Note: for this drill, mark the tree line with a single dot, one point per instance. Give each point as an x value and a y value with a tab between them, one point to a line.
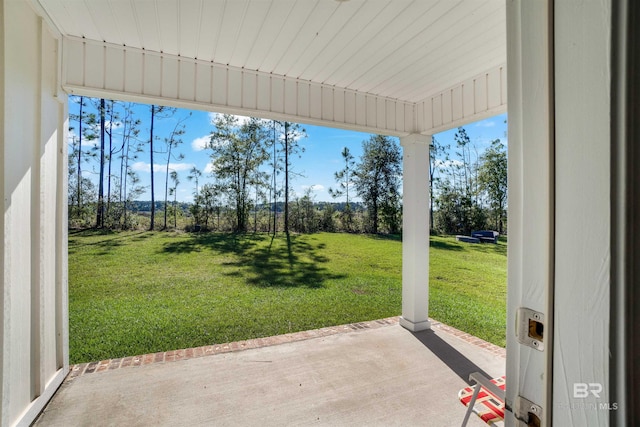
468	187
252	166
252	169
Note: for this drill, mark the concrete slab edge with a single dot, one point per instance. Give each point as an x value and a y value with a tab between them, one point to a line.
210	350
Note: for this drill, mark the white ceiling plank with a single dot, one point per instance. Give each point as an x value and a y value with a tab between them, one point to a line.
326	36
123	16
146	20
189	23
311	30
398	49
57	11
209	30
391	38
353	35
270	28
410	45
467	50
234	14
168	15
254	20
104	21
291	24
77	11
422	55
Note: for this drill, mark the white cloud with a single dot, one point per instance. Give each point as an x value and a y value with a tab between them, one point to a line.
209	168
146	167
486	124
201	143
141	167
314	187
241	119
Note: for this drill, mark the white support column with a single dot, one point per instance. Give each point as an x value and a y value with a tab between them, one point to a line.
415	232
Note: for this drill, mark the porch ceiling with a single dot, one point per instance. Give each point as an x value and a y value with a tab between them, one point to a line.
401	49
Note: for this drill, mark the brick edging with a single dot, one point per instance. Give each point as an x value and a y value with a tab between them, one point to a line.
208	350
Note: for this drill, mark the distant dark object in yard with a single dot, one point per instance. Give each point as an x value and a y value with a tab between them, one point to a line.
486	236
467	239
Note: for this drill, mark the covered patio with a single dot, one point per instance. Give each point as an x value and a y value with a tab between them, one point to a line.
406	68
365	374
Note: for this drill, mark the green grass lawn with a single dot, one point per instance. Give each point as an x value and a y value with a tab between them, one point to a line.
141	292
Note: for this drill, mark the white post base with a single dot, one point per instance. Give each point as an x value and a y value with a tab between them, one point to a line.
413	326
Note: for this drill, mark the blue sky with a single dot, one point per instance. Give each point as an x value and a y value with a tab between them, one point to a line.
316	165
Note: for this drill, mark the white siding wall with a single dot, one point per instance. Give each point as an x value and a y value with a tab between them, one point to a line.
583	180
530	256
474	99
33	252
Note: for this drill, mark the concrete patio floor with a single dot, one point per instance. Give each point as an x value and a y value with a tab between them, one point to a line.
371	373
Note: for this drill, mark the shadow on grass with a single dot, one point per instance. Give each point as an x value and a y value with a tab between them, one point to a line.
264	261
448	246
392	237
107	244
218	242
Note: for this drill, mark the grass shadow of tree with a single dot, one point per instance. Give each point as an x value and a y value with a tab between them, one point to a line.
440	244
264	261
107	244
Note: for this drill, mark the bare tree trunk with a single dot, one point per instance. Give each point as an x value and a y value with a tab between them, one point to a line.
275	182
153	199
100	212
286	178
80	156
110	133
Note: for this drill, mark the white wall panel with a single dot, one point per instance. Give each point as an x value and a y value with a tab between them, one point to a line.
338	106
480	94
114	64
290	97
152	77
350	107
263	92
169	78
219	85
277	95
494	88
151	74
33	190
315	101
74	72
530	216
457	111
381	112
371	118
187	80
203	78
437	111
390	110
472	100
133	81
94	65
583	223
447	108
327	103
303	99
249	89
234	88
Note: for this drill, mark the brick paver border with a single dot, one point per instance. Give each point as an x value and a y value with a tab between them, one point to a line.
208	350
